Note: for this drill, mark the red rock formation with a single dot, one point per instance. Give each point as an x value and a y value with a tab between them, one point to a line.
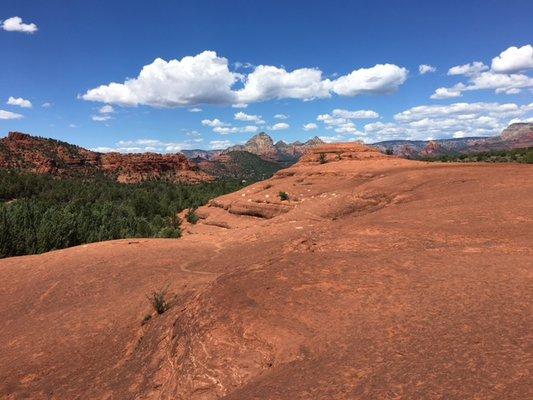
47	156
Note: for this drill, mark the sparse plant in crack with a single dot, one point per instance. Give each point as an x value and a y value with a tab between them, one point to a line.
322	158
158	300
283	196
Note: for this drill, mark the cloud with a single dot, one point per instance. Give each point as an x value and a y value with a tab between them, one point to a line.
348	127
341	120
194	110
15	24
330	120
337	139
468	69
501	77
310	126
267	82
19	102
448	121
446	93
213	123
101	118
424	69
501	83
219	144
107	109
201	79
379	79
9	115
281	116
148	145
207	79
359	114
46	105
513	59
240	116
279	126
226	130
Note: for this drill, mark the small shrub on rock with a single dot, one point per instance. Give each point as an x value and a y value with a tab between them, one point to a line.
191	216
158	301
283	196
322	158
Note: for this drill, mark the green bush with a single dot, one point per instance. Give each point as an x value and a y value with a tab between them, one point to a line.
191	216
283	196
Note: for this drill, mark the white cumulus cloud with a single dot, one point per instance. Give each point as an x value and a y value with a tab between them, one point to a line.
503	77
514	59
280	126
310	126
9	115
206	79
15	24
446	93
424	69
381	78
241	116
213	123
281	116
468	69
19	102
448	121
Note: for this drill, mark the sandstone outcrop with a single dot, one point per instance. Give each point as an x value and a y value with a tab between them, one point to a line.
47	156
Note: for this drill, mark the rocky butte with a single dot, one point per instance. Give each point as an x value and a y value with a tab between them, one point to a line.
39	155
378	278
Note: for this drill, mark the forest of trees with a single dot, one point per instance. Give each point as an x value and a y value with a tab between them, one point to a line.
39	213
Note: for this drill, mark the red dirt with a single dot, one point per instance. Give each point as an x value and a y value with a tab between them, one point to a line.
380	278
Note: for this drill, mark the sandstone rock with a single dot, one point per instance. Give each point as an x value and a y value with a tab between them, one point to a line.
47	156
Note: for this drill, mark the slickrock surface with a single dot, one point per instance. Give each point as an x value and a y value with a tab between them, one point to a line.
380	278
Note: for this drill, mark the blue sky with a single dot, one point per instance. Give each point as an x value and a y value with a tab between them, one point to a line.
341	70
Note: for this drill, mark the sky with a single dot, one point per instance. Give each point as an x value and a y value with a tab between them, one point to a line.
165	76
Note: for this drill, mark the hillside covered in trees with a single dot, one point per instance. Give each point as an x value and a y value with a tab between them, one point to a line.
39	213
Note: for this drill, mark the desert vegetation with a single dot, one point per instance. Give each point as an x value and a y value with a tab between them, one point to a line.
502	156
283	196
39	213
158	301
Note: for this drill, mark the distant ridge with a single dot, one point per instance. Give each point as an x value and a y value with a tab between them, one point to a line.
23	152
515	136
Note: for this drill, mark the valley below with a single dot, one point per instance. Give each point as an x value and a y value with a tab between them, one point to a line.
350	275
